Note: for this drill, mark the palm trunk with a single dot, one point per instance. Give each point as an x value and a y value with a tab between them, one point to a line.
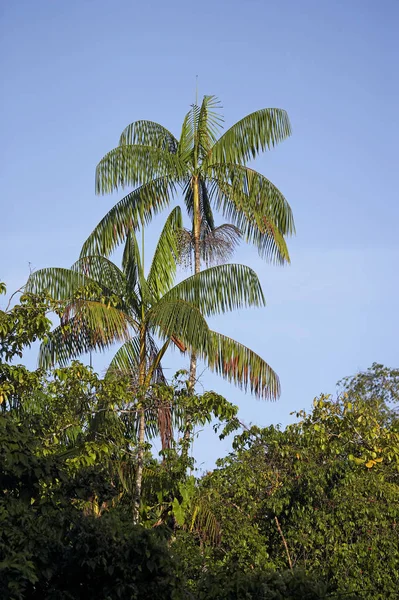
141	440
197	269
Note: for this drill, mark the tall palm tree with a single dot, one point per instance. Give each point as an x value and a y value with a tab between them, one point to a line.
211	171
107	304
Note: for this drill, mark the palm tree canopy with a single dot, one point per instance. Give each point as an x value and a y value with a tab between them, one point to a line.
157	164
106	304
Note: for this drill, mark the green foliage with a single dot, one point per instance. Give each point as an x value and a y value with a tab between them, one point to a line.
332	482
308	512
106	304
25	323
151	158
268	585
49	548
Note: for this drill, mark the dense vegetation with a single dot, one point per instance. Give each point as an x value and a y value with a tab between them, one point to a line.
87	508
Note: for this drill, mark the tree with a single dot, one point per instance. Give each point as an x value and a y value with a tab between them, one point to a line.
106	304
323	495
50	548
210	171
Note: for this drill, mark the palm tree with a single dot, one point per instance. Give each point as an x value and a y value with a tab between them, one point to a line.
212	173
107	304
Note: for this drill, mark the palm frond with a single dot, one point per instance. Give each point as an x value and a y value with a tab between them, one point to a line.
240	365
131	264
149	133
182	321
72	339
209	124
105	322
135	165
186	141
163	267
257	132
146	201
219	289
203	520
102	270
256	206
126	360
61	284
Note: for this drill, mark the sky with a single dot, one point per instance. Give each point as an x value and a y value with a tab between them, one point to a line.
75	73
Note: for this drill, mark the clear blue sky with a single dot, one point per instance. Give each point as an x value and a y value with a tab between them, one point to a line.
75	73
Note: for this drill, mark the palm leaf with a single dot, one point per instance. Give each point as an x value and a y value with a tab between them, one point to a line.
71	339
126	215
257	132
131	263
256	206
240	365
61	284
209	124
136	165
127	359
106	323
102	270
149	133
219	289
183	321
186	141
163	267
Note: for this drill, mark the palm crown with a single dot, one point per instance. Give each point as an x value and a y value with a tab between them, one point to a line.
211	171
107	304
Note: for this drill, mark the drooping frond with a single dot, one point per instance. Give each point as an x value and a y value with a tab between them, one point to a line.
102	270
219	289
183	321
203	520
75	337
255	192
240	365
61	284
256	206
255	133
125	216
163	267
105	321
209	124
149	133
135	165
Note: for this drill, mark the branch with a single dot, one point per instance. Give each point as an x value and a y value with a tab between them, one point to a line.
284	542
